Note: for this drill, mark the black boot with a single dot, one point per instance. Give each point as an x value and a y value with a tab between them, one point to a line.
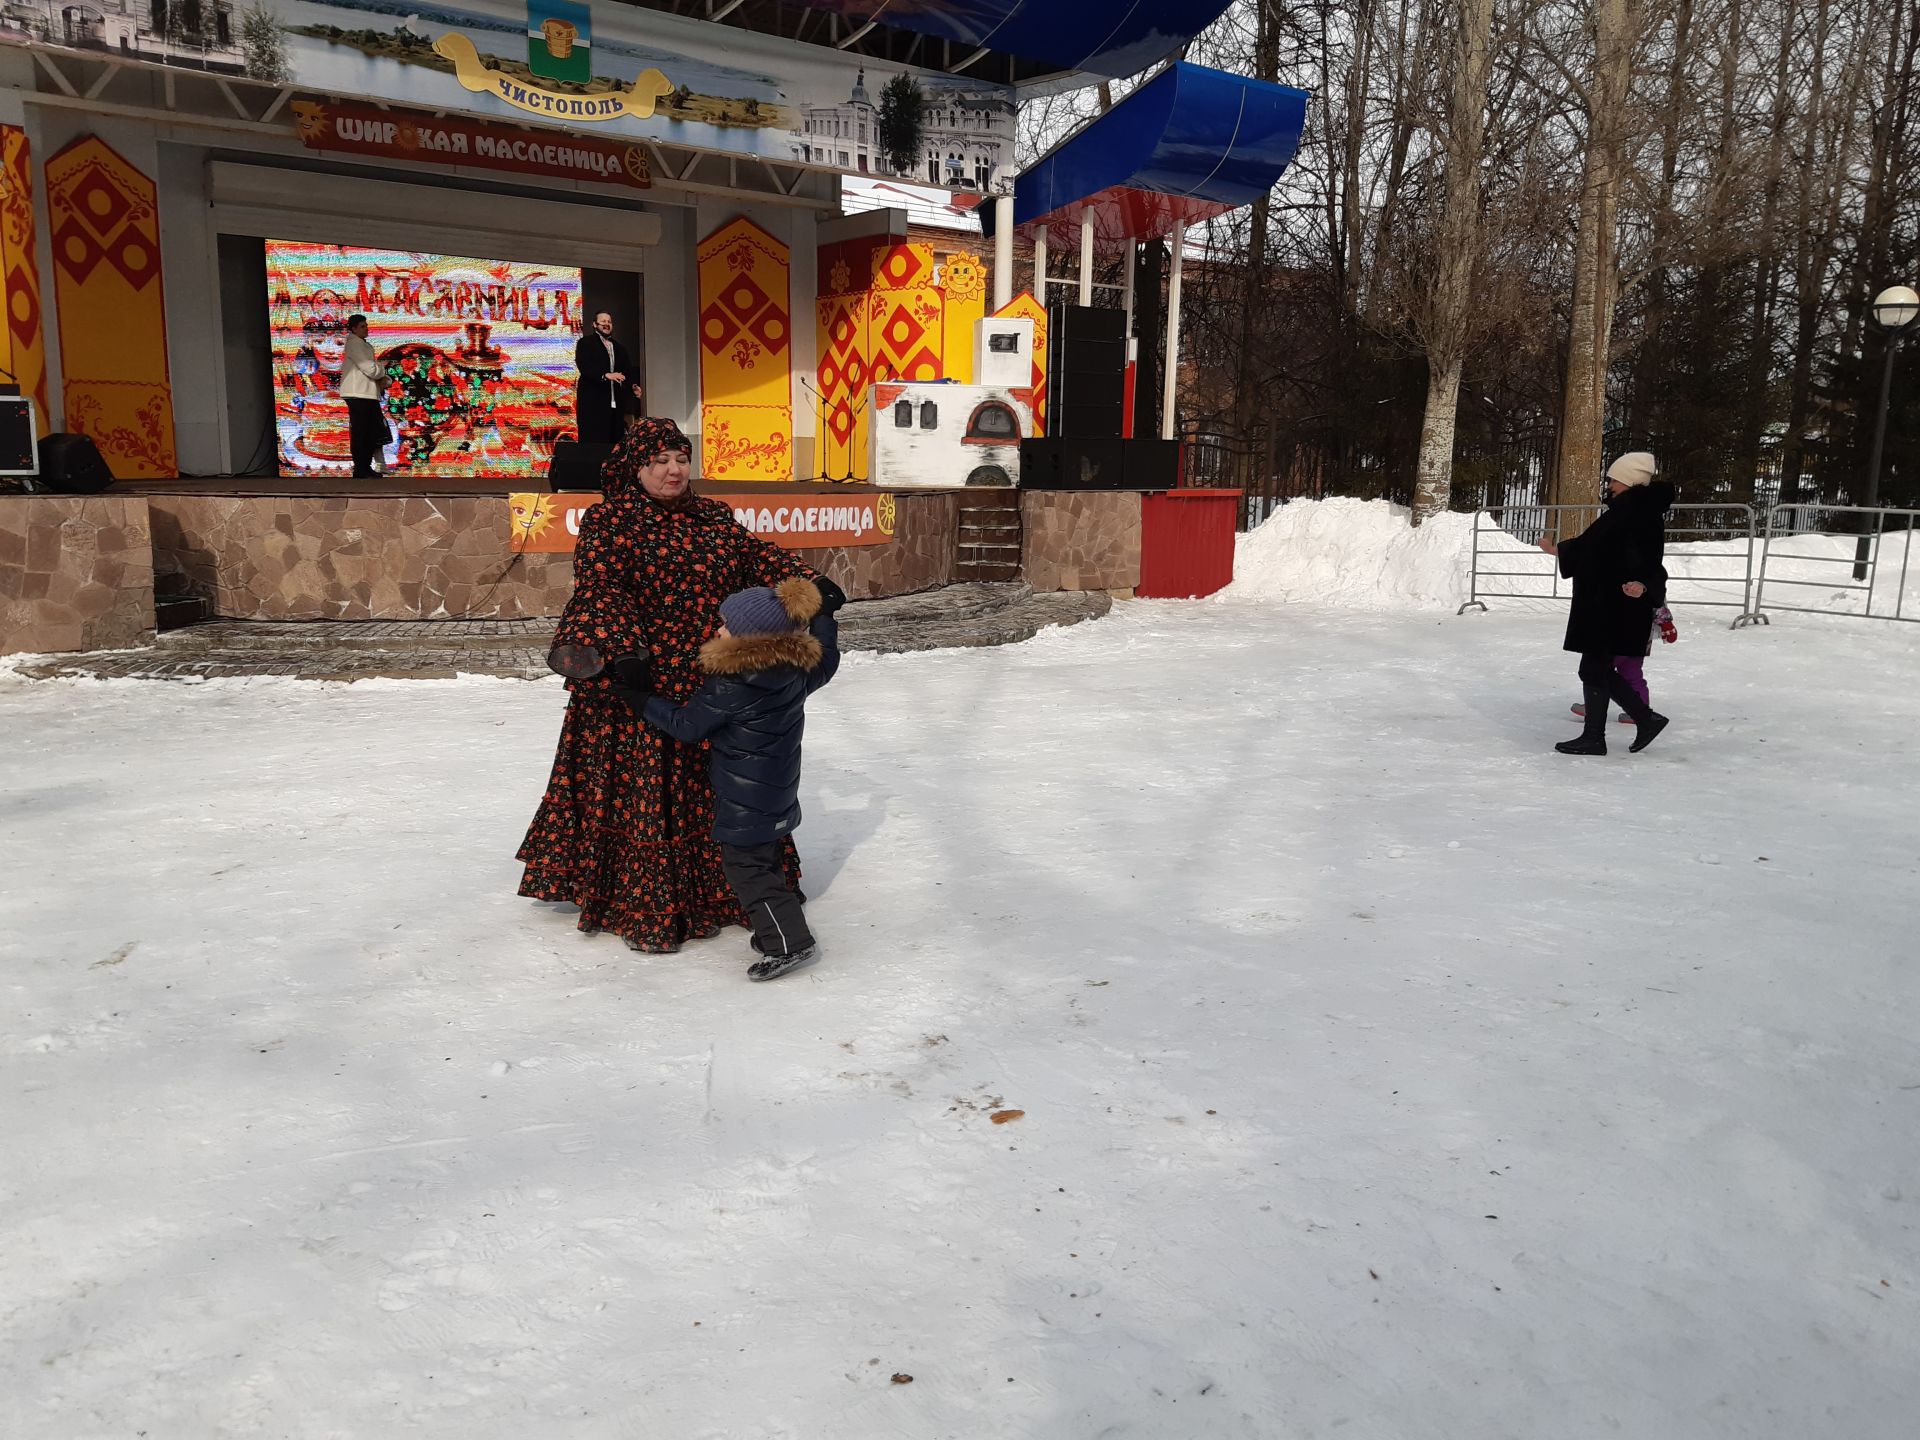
1593	739
774	966
1648	723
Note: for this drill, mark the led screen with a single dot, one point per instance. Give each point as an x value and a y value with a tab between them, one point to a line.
478	356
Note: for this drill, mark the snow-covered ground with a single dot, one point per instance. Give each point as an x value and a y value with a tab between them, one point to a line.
1384	1074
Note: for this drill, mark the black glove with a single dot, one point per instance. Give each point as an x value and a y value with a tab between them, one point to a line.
832	597
635	671
631	679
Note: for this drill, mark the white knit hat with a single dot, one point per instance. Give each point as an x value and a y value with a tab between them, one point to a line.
1636	467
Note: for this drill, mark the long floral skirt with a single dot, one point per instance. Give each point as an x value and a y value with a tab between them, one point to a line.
625	832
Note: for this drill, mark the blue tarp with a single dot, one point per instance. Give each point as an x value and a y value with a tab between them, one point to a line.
1202	136
1114	38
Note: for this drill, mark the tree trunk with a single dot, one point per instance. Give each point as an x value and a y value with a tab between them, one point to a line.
1596	279
1433	476
1249	391
1449	318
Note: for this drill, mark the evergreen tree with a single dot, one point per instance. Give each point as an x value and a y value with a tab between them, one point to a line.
264	46
901	123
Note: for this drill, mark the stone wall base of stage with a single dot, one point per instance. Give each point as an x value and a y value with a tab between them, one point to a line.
921	555
1080	540
353	558
76	573
80	572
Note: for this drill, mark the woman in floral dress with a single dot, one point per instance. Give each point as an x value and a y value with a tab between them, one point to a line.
625	829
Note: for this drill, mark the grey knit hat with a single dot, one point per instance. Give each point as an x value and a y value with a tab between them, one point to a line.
756	612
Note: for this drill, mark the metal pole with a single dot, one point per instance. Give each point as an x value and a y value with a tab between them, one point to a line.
1872	496
1172	376
1040	268
1002	252
1126	298
1086	257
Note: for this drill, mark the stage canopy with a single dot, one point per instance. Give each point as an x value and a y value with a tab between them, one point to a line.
1188	145
1114	39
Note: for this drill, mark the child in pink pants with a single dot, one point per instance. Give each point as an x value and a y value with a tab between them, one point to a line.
1633	668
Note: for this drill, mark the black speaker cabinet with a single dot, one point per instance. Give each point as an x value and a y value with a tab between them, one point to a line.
1063	462
576	464
1070	324
1086	372
1056	462
1152	464
72	465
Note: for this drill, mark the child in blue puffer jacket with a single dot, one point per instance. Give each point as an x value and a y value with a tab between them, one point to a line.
775	648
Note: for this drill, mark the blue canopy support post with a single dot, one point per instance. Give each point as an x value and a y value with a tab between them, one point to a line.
1086	258
1172	378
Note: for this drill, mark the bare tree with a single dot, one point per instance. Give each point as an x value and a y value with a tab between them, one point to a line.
1447	321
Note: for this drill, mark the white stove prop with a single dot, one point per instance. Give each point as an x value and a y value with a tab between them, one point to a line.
928	437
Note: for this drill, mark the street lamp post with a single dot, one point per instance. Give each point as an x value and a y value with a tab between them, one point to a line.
1894	310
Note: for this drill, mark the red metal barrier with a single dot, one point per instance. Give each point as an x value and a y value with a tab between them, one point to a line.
1186	543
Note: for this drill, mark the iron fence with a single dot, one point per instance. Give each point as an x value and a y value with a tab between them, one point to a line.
1713	568
1861	565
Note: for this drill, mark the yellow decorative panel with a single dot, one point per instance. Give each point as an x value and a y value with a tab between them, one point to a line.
1024	307
963	283
906	316
746	334
23	341
105	222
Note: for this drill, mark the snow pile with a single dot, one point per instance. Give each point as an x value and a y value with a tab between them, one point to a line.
1366	555
1358	555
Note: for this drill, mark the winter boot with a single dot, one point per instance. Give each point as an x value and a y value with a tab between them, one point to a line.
1593	739
1649	732
1649	721
774	966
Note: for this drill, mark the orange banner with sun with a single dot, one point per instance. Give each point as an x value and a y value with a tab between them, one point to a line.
746	335
550	524
105	222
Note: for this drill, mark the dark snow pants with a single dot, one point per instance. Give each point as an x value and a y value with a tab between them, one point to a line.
759	881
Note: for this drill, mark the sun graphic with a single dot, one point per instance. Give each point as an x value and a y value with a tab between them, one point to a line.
530	516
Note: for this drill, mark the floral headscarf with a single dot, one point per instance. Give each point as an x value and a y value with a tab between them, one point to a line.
651	436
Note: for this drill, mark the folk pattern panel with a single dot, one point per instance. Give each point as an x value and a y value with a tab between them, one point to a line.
845	369
887	313
746	344
23	341
105	222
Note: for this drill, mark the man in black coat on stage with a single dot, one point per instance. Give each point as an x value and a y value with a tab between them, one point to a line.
606	390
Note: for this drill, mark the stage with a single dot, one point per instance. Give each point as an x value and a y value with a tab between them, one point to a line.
81	572
328	487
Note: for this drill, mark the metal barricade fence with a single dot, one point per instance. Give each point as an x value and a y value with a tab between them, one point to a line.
1699	572
1863	567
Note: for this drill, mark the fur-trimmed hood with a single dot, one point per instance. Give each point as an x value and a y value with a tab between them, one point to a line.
744	654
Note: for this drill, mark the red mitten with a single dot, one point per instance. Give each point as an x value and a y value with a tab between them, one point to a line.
1669	632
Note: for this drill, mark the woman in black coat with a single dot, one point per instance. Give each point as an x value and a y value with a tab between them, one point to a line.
1619	580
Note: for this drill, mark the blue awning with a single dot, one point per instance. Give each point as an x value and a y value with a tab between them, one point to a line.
1190	144
1115	38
